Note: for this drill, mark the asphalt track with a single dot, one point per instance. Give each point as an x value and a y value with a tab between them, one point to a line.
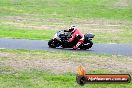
114	49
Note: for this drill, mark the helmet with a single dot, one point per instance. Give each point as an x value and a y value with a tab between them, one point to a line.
72	28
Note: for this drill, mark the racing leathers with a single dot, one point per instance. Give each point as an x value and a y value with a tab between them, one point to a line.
77	34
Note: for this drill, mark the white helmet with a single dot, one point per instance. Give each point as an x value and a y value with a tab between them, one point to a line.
72	28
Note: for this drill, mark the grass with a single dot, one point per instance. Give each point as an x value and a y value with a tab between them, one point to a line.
23	18
122	35
79	57
35	78
32	78
91	16
39	79
22	33
66	9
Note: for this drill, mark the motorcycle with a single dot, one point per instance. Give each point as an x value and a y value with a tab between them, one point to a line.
61	39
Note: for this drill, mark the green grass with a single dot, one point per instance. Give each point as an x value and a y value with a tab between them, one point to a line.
18	17
65	9
37	12
9	31
42	79
35	78
122	35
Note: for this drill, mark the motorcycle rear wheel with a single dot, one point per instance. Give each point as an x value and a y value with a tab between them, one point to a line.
84	47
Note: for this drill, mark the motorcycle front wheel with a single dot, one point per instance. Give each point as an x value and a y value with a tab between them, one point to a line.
51	43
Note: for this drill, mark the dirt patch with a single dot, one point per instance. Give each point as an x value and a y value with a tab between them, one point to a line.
27	62
121	3
112	65
33	23
58	24
31	19
31	26
95	25
13	18
56	66
103	22
60	65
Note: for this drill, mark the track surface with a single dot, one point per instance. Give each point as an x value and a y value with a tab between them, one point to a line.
115	49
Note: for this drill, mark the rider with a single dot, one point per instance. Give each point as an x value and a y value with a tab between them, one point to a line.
76	33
